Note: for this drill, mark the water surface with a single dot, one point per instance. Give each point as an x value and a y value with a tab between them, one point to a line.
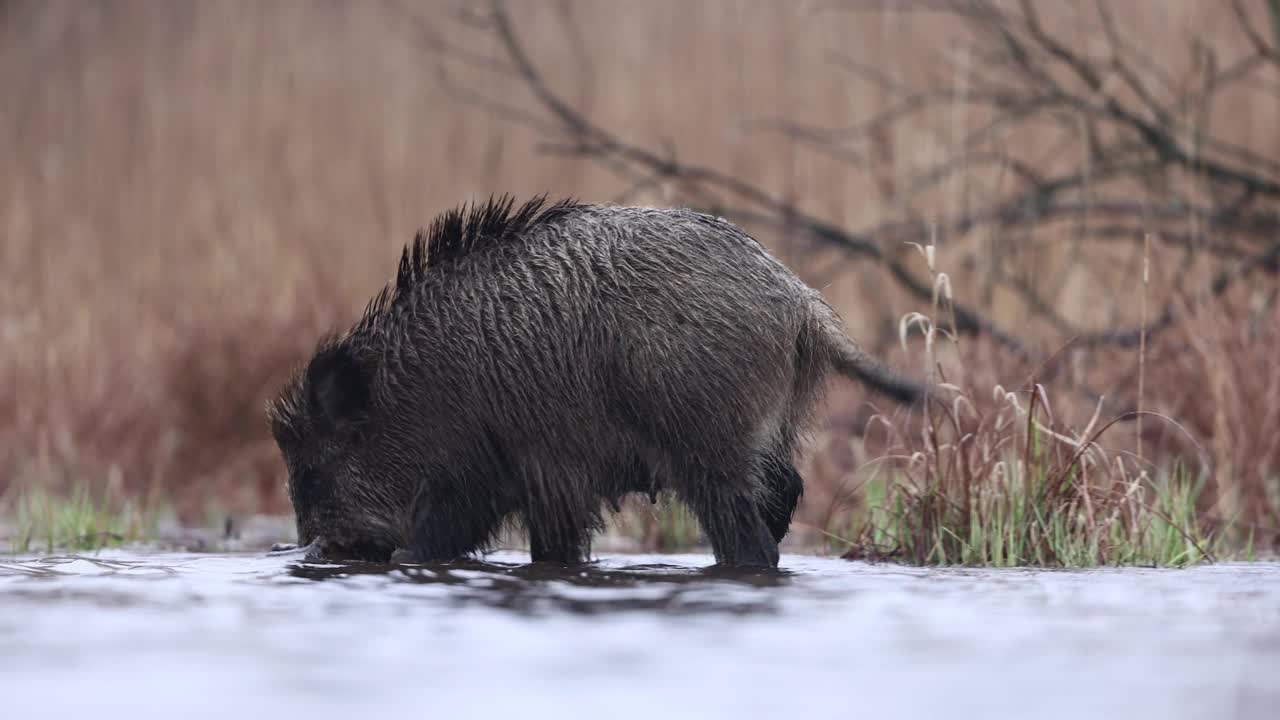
128	634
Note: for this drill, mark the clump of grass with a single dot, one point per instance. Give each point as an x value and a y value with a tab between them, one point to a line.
998	481
39	520
1000	500
664	527
674	528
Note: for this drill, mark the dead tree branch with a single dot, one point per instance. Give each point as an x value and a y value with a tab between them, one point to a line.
1151	161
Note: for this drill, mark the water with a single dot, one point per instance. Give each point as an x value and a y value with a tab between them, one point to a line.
130	635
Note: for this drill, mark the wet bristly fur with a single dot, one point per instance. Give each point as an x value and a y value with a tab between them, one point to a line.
539	363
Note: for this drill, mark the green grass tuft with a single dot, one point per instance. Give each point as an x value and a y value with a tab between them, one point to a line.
1015	526
42	521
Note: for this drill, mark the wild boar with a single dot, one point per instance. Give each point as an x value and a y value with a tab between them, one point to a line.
538	363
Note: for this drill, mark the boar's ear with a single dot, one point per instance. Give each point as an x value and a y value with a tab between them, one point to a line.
339	387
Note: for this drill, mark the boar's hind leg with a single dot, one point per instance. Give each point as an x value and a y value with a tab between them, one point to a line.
731	517
783	488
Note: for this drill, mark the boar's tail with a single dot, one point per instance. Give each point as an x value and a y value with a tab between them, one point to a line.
849	360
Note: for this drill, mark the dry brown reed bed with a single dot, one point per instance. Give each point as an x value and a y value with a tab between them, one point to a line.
196	190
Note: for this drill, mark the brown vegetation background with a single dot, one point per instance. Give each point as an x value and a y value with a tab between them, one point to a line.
193	191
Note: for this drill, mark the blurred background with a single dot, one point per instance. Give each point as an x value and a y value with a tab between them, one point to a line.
193	192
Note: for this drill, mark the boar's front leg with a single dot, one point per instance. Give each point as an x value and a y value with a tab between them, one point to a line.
559	511
570	549
556	536
448	525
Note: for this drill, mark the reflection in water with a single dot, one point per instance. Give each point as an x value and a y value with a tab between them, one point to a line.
547	588
238	636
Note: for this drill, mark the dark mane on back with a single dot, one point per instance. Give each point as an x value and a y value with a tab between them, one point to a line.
462	231
457	233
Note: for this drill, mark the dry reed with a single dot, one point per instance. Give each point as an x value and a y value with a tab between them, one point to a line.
196	190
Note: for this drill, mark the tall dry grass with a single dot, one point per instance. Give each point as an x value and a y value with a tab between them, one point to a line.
196	190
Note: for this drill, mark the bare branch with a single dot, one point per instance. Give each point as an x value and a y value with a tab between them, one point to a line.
1260	46
1123	187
